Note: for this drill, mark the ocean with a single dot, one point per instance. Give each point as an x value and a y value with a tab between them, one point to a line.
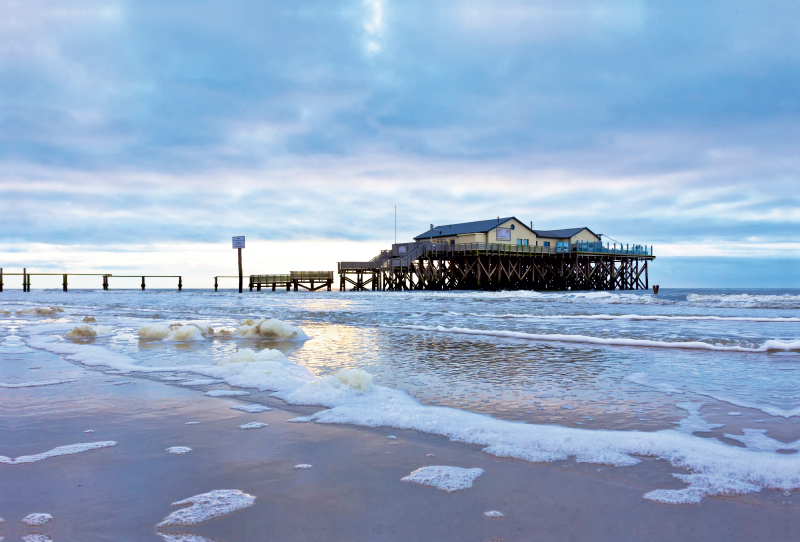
705	380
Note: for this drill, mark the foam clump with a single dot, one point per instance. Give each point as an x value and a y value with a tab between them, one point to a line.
37	519
36	537
493	514
175	331
89	319
694	422
37	384
226	393
448	479
269	328
301	419
183	537
42	311
206	506
4	312
303	466
200	382
84	331
265	370
70	449
252	409
253	425
179	450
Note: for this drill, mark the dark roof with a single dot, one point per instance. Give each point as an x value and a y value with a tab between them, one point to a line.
481	226
562	234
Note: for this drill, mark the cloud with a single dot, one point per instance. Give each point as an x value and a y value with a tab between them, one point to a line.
143	122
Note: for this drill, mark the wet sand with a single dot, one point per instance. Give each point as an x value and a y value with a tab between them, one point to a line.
353	491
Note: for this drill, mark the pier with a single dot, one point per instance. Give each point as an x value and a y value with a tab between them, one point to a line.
500	266
26	278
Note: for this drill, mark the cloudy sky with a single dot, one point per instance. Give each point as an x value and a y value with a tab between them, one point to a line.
140	136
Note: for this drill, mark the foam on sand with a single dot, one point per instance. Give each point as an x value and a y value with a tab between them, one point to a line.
37	519
771	345
448	479
253	425
303	466
206	382
179	450
84	331
36	537
643	379
4	312
252	409
493	514
269	328
184	537
37	384
226	393
41	311
70	449
757	439
206	506
89	319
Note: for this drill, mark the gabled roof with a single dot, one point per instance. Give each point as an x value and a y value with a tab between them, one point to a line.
562	234
481	226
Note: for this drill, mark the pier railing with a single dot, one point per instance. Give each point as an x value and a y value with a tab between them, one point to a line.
404	254
26	278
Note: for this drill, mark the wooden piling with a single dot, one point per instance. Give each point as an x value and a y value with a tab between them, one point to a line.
180	284
1	279
215	284
65	282
240	270
24	279
143	284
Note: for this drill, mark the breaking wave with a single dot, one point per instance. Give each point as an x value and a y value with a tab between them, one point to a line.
753	301
768	346
642	317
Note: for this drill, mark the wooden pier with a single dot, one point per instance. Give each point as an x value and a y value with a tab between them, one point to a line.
307	280
500	266
26	278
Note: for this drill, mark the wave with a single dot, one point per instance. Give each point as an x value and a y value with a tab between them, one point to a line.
638	317
771	345
351	398
754	301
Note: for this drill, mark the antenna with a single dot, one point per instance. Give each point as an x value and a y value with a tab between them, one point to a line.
395	224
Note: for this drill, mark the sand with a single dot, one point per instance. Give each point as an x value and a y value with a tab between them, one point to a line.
353	492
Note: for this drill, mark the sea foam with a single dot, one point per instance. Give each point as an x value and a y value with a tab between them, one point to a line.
36	519
448	479
84	331
206	506
269	328
37	384
70	449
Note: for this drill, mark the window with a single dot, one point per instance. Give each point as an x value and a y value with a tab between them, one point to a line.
523	242
547	244
452	241
512	226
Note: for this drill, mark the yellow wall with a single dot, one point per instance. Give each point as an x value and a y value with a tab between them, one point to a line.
520	231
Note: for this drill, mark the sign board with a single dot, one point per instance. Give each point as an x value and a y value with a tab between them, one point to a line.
238	242
401	249
503	234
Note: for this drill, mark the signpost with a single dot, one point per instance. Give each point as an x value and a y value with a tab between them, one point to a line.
238	243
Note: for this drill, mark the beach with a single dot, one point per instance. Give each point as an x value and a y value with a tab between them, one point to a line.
431	396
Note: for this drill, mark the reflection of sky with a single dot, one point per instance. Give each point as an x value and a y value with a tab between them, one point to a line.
136	134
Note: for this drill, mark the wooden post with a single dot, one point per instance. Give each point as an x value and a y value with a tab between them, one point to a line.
330	282
288	286
273	286
105	282
65	282
180	284
295	285
240	270
250	283
143	284
215	284
258	286
1	279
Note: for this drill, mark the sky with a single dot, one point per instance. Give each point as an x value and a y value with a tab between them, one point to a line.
140	136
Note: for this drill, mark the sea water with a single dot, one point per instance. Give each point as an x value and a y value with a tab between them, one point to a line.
706	379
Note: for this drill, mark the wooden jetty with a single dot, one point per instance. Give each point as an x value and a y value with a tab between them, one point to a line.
500	266
26	278
307	280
